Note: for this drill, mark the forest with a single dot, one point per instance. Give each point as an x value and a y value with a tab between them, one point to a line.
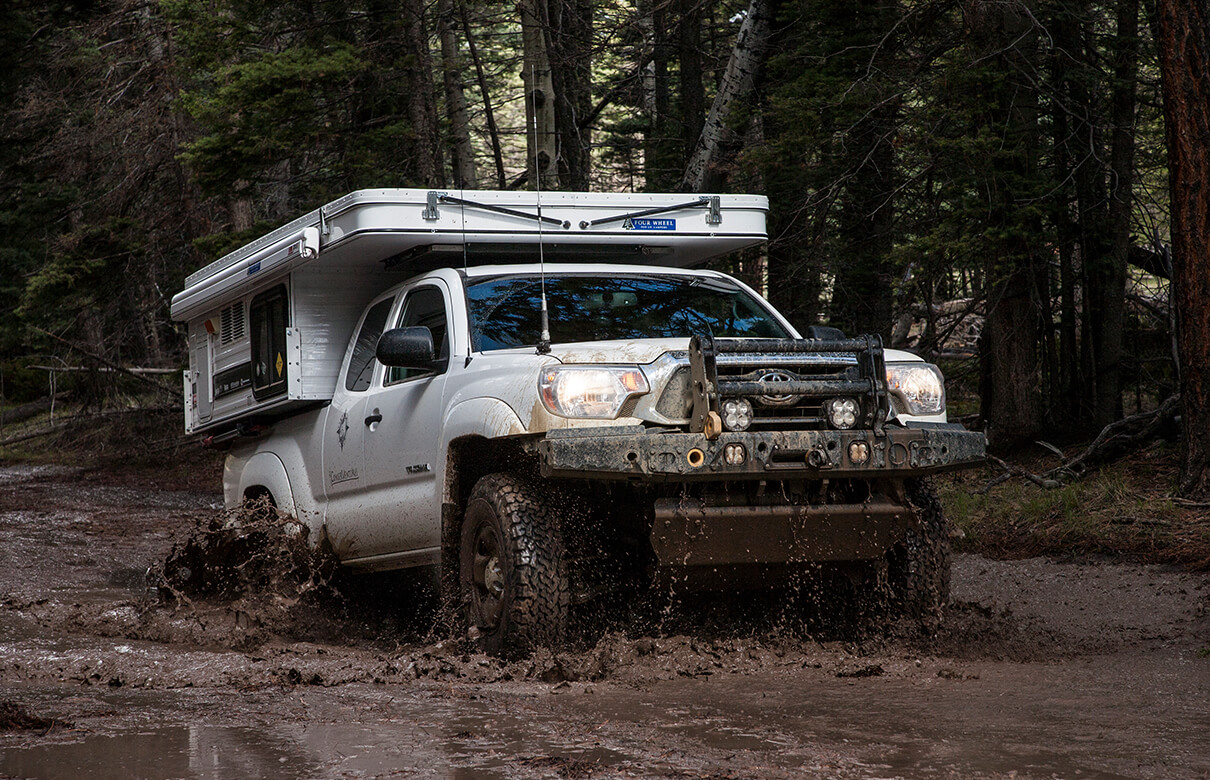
988	183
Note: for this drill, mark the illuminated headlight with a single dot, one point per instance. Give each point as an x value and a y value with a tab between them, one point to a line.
918	387
736	414
590	391
842	412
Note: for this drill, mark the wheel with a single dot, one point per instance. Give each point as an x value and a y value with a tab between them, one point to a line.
918	570
512	570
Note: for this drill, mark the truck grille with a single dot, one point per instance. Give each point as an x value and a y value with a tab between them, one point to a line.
782	410
788	382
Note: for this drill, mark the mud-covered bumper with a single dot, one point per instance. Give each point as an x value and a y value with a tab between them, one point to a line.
635	452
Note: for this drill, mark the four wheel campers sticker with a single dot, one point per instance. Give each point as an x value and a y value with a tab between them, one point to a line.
639	223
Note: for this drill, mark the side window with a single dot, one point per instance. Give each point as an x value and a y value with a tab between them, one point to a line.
361	365
424	306
269	317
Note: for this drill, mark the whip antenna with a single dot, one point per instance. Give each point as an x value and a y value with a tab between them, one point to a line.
544	336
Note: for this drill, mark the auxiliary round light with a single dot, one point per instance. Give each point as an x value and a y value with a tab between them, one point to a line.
859	453
737	414
735	454
842	413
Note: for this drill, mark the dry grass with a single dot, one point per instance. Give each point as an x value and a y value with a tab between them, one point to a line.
1125	510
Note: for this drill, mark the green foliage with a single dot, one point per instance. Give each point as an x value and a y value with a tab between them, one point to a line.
85	277
261	113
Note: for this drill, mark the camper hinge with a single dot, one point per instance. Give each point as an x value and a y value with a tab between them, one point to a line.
430	211
715	215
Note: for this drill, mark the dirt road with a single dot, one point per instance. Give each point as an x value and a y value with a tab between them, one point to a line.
1041	669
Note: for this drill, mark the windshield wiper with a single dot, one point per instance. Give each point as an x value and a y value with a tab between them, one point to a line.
705	201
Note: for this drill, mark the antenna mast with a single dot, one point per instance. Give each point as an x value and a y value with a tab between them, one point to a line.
544	337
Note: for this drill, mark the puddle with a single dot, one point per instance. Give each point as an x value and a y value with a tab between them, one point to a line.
998	720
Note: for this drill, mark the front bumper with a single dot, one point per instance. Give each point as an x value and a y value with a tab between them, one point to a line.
653	454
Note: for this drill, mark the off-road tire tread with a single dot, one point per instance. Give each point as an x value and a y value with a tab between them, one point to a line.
536	607
919	570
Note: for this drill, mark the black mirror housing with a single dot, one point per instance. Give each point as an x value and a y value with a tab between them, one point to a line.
410	347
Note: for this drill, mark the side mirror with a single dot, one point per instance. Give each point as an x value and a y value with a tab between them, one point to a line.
410	347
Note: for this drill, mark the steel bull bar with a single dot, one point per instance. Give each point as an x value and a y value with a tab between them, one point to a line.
690	532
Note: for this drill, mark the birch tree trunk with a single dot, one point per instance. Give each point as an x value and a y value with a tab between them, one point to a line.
541	132
1184	46
704	170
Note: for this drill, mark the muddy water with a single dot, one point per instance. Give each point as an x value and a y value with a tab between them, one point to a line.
1041	669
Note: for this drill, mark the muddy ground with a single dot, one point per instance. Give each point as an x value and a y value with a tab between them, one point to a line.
1040	669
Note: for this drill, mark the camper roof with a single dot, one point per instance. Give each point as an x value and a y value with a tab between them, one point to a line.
413	229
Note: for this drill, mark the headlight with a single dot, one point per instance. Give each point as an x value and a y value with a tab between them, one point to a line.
590	391
918	387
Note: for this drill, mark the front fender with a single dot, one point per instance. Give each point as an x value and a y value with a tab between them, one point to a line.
490	418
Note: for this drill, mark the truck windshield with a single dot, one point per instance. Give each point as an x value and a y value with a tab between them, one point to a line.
504	311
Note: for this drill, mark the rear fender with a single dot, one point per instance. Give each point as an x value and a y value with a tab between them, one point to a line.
263	471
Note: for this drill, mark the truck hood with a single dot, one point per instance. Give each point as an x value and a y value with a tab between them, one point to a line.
644	351
637	351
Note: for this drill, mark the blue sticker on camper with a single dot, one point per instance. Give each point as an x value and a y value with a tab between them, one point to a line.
254	268
649	224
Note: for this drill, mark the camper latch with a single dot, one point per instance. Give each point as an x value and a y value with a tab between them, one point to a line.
430	211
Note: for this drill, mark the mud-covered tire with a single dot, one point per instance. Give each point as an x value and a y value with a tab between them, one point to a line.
918	567
512	571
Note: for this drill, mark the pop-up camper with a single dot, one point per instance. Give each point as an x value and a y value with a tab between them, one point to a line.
270	322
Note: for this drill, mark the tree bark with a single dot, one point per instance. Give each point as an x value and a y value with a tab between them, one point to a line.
569	42
1012	401
462	158
704	170
489	114
693	92
1184	47
541	130
422	107
1112	285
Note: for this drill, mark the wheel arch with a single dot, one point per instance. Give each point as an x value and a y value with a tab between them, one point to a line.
263	473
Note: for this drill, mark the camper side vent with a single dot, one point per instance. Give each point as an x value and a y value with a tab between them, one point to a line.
232	324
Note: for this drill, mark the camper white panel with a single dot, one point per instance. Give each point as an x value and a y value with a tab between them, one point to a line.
327	303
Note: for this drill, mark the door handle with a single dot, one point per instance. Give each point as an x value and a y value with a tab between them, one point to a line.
374	418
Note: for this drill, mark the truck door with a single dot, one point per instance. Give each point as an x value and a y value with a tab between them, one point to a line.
344	473
403	462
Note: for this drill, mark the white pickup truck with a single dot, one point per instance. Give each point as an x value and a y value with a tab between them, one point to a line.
670	423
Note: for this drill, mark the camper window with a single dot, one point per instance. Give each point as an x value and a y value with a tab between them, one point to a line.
269	317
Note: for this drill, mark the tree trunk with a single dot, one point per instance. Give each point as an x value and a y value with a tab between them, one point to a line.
569	42
1012	401
693	92
462	159
704	170
1184	47
541	130
489	114
422	107
1112	287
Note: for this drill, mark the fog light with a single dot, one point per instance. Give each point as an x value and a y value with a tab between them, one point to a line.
842	413
735	454
859	452
737	414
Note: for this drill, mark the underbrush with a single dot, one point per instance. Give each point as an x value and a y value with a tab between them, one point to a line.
1126	509
134	439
